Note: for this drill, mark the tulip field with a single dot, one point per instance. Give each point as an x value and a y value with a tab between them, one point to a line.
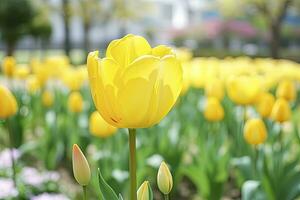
144	122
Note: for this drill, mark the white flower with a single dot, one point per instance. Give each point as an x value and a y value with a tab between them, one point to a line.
7	188
48	196
32	176
5	157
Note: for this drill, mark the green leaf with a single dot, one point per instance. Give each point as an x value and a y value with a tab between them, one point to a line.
150	192
106	191
120	197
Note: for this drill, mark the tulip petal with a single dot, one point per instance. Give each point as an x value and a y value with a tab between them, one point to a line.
98	89
162	51
134	102
125	50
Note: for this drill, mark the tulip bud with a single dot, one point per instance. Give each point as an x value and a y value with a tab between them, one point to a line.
9	65
47	98
33	84
164	179
81	168
265	104
99	127
215	88
286	89
213	110
75	102
8	103
144	192
255	131
281	111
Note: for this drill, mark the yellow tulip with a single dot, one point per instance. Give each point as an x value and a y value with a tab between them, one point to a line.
213	110
255	131
99	127
144	191
265	104
75	102
281	111
215	88
33	84
8	103
130	79
243	90
21	72
47	98
9	65
81	168
164	179
286	89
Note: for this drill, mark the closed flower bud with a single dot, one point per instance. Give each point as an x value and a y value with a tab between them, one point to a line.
286	89
215	88
265	104
8	103
255	131
47	98
9	65
144	192
33	84
213	110
281	111
81	168
75	102
243	90
99	127
164	179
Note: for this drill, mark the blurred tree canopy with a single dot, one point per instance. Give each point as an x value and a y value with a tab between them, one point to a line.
15	20
268	14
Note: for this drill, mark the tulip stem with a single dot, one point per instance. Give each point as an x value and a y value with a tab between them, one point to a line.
166	196
84	193
11	149
132	163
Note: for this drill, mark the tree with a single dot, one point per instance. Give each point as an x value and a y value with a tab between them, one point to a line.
66	17
40	27
272	12
15	20
89	10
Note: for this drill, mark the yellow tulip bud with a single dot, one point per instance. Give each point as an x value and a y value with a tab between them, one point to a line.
33	84
144	192
243	90
265	104
215	88
47	98
8	103
75	102
281	111
99	127
81	168
21	72
131	78
8	66
164	179
213	110
286	89
255	131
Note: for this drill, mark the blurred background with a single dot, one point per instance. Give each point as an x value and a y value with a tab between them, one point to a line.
262	28
240	61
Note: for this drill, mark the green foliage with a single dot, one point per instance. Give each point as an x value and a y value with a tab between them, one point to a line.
15	18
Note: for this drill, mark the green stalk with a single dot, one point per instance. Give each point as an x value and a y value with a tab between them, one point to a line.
132	163
255	171
166	197
84	192
11	148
